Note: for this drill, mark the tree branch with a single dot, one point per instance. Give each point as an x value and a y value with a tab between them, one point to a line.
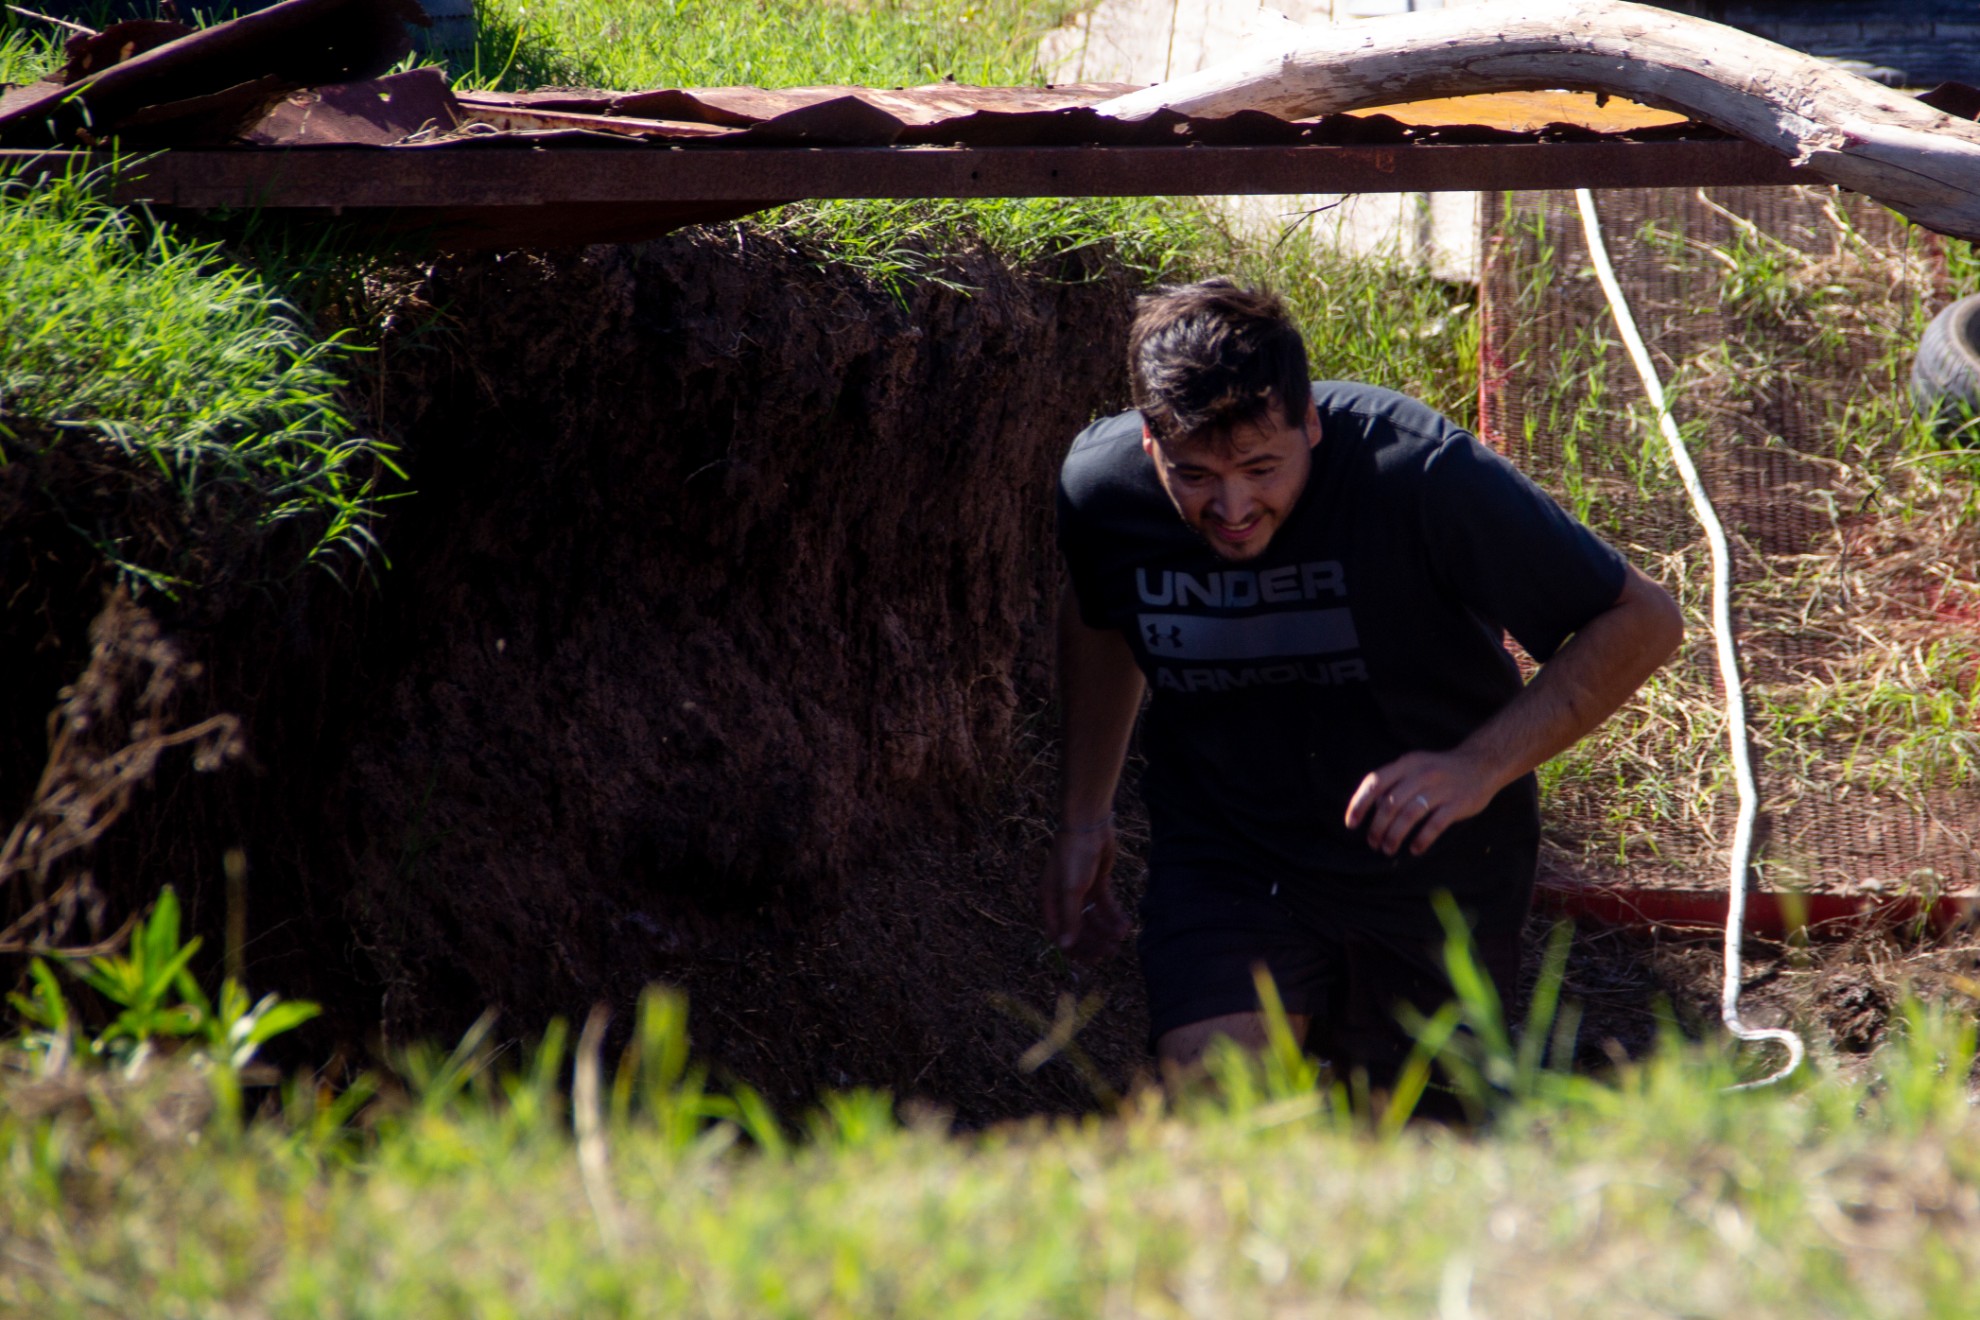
1844	129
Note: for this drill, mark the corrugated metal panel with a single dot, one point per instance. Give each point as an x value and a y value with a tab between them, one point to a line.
235	102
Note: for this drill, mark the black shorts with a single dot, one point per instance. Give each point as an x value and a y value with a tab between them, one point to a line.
1346	951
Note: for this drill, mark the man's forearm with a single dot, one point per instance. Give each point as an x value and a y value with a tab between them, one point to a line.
1100	690
1584	683
1416	797
1099	694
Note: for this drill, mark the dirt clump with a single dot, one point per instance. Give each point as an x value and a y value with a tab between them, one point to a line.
1856	1009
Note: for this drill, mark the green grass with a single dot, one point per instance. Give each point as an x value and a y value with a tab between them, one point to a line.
1860	671
484	1191
549	1181
129	346
629	45
634	44
26	52
199	409
698	43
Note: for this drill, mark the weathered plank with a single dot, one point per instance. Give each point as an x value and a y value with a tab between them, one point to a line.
450	176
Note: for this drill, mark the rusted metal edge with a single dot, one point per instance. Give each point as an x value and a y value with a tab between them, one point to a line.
301	43
1771	916
455	176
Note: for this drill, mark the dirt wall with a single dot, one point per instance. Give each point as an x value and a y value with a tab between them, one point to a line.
712	651
707	646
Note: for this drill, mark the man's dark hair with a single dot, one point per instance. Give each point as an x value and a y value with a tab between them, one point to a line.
1207	358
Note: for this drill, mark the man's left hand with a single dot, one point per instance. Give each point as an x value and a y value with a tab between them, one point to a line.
1415	798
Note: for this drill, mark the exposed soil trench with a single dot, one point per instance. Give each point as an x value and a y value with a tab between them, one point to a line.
713	651
704	652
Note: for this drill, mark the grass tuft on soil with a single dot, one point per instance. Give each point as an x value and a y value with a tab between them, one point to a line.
138	359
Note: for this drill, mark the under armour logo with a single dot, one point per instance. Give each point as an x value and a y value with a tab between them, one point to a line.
1174	638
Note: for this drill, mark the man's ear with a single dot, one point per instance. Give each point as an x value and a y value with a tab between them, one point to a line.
1147	440
1311	424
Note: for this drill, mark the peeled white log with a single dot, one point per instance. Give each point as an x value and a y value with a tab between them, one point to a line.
1844	129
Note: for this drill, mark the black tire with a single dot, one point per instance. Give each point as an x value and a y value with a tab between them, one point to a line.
1945	378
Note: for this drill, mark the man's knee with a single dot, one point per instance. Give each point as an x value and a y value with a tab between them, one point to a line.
1186	1045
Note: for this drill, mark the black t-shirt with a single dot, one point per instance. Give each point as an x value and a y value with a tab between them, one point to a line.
1370	627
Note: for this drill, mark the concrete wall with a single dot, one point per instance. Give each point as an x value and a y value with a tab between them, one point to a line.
1151	41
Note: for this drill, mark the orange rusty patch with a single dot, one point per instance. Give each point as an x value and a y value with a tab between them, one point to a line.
1525	112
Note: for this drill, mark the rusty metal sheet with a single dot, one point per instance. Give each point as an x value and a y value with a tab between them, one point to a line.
824	116
93	52
376	112
20	96
594	188
949	114
937	104
1532	112
744	106
199	121
299	42
1954	98
538	121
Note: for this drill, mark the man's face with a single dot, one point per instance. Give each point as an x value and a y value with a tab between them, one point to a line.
1238	495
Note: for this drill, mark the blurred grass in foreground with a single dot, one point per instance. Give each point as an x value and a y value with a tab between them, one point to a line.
479	1189
1651	1192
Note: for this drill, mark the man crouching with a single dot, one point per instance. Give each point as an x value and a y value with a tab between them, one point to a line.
1313	579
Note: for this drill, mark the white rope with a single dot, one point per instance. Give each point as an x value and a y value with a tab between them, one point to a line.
1722	570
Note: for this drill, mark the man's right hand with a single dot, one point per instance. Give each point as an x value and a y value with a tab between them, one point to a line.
1100	693
1081	914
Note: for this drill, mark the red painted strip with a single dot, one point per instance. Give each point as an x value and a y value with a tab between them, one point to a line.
1822	916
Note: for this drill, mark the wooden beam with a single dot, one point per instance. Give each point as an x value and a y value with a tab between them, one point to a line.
331	177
